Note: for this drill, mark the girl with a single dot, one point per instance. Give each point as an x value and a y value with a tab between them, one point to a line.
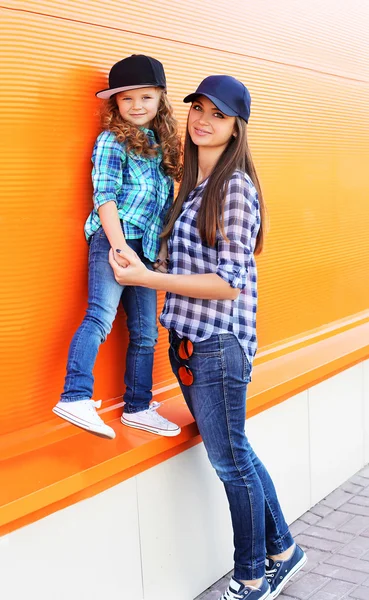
134	160
215	227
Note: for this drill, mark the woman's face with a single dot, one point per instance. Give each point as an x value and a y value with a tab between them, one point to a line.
208	126
139	106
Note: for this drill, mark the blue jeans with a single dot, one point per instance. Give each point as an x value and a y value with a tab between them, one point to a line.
217	400
104	295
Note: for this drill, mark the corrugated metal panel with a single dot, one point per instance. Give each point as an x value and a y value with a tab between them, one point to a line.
310	138
329	35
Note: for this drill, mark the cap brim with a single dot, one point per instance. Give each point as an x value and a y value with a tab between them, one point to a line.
218	103
106	94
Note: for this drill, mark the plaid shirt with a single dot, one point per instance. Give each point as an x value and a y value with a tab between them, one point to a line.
138	186
233	261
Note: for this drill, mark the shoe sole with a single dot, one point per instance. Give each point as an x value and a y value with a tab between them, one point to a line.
83	425
288	577
266	595
163	432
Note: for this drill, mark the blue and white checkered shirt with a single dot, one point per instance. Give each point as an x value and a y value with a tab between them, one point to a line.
233	261
141	190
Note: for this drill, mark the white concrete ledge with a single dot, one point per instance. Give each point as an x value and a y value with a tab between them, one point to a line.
166	533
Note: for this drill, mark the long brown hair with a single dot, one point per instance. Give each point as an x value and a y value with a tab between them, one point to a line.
236	156
164	125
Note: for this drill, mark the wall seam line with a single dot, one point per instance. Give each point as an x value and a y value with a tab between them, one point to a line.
310	453
221	50
139	538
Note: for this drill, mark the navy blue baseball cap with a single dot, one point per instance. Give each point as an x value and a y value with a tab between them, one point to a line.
227	93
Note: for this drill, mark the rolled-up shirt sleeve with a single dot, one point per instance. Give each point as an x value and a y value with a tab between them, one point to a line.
108	159
241	224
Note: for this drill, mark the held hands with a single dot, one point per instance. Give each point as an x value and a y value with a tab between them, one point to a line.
161	263
128	268
126	253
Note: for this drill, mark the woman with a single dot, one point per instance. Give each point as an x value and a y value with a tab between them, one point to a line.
214	229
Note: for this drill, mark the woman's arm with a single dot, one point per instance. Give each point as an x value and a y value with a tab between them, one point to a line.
208	286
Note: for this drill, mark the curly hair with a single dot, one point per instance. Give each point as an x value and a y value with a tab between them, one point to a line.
164	125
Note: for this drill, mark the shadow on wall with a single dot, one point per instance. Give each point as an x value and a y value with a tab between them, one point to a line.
49	133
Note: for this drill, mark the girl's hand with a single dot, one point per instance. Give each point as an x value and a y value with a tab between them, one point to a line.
127	252
132	274
161	263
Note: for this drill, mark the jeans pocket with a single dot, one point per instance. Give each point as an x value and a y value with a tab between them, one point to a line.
209	354
100	233
246	368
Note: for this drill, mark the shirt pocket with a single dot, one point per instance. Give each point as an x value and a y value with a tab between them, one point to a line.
138	171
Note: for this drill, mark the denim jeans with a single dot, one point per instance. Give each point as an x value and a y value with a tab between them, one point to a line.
217	400
104	295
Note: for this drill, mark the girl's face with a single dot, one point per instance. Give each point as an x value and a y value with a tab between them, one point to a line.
139	106
208	126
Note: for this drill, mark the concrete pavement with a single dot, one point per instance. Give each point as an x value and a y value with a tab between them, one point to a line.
335	536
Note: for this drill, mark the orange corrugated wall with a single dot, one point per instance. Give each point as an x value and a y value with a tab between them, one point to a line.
307	67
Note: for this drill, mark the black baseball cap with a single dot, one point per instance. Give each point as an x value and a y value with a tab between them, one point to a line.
227	93
136	71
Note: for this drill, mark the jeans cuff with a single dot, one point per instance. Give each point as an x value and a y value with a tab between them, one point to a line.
73	399
244	572
280	544
135	409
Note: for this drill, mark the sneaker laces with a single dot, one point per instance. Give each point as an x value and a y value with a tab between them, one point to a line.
271	571
152	410
92	406
229	595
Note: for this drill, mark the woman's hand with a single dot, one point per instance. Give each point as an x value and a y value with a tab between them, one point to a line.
128	268
161	263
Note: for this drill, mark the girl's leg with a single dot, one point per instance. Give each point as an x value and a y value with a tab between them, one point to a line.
104	295
140	305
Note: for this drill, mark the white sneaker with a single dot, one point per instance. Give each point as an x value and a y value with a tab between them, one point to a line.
83	414
150	420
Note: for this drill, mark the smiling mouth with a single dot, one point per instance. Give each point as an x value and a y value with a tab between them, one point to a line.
138	115
201	131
